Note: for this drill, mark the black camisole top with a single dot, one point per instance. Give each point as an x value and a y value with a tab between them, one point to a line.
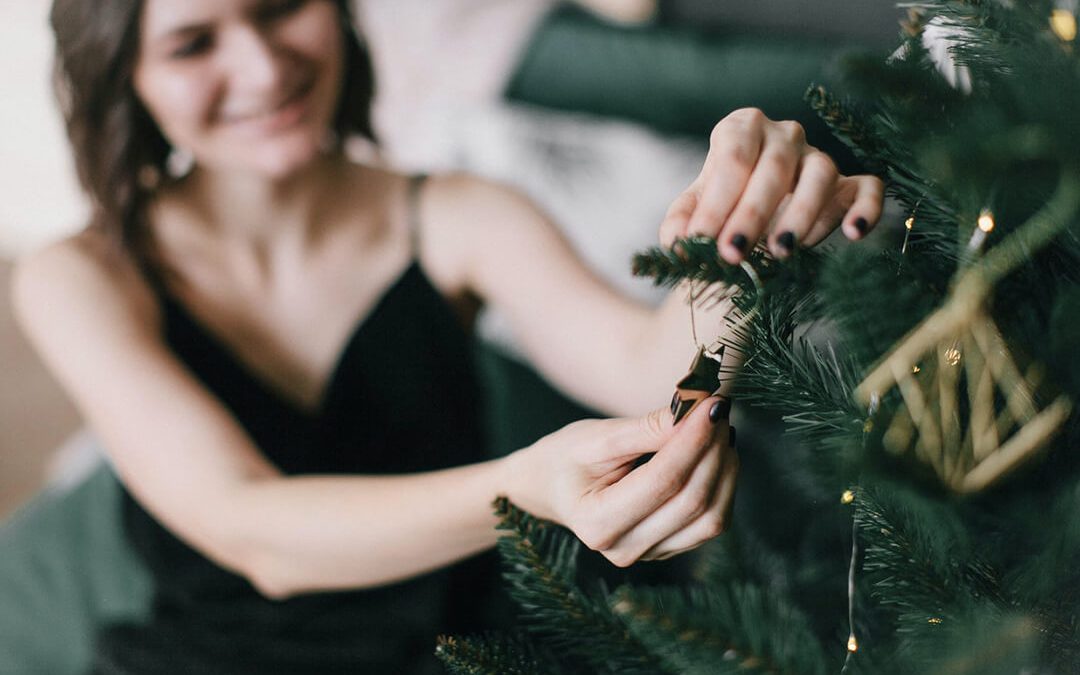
403	397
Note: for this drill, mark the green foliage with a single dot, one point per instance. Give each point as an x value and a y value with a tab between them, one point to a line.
540	563
720	630
491	655
943	583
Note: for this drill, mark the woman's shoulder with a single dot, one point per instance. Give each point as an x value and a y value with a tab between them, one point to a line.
83	278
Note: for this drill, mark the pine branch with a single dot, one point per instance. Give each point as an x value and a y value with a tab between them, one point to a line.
920	559
812	390
852	130
539	565
698	260
491	655
735	629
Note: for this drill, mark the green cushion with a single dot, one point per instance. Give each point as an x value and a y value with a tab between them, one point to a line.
674	80
65	569
521	405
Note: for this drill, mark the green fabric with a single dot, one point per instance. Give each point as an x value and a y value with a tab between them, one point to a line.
65	569
521	405
674	80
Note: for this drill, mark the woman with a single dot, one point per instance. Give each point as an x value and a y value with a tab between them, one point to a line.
271	346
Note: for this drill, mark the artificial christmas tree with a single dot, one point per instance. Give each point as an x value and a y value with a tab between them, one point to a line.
933	396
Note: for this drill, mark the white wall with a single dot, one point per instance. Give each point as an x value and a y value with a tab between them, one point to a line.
39	197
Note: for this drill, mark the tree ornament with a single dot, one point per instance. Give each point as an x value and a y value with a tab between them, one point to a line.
700	383
703	379
1004	426
958	352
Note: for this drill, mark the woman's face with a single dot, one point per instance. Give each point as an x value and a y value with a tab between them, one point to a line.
248	85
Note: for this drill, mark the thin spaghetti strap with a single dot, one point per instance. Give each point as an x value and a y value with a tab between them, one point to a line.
416	182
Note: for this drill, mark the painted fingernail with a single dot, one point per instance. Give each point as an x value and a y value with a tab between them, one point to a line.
731	437
786	241
642	459
720	410
861	225
674	402
739	242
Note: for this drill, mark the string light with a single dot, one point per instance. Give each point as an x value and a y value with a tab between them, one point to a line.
916	370
1063	23
847	497
908	225
934	620
852	643
985	227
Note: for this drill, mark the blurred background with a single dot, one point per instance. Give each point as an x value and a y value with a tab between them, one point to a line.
599	110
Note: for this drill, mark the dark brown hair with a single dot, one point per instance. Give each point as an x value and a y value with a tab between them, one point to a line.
116	144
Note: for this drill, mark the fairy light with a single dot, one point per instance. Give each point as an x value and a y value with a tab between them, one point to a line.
1063	23
909	224
852	643
916	370
847	497
934	620
985	227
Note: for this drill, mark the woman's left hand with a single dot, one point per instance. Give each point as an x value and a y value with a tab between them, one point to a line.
761	179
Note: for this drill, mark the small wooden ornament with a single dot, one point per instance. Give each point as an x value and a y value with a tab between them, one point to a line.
700	383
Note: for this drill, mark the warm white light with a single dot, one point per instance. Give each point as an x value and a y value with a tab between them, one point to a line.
1063	23
852	644
847	497
910	222
986	221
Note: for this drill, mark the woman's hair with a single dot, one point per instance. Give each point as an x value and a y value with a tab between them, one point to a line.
118	147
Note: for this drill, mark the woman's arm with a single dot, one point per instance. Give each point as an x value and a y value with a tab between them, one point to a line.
611	353
189	463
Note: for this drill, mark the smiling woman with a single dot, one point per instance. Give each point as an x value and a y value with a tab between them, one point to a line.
251	89
141	75
274	347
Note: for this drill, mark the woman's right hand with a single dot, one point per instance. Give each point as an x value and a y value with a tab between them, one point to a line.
583	477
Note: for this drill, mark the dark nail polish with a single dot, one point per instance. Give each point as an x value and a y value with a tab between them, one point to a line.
720	410
786	241
861	225
643	459
674	402
731	437
739	242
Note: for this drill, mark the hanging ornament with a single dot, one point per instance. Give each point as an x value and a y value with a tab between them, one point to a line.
703	379
1004	425
972	414
700	383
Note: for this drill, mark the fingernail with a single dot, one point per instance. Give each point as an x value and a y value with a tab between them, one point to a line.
739	242
643	459
861	225
674	402
731	437
786	241
720	410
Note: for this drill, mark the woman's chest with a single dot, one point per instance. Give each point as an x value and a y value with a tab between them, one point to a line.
290	334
